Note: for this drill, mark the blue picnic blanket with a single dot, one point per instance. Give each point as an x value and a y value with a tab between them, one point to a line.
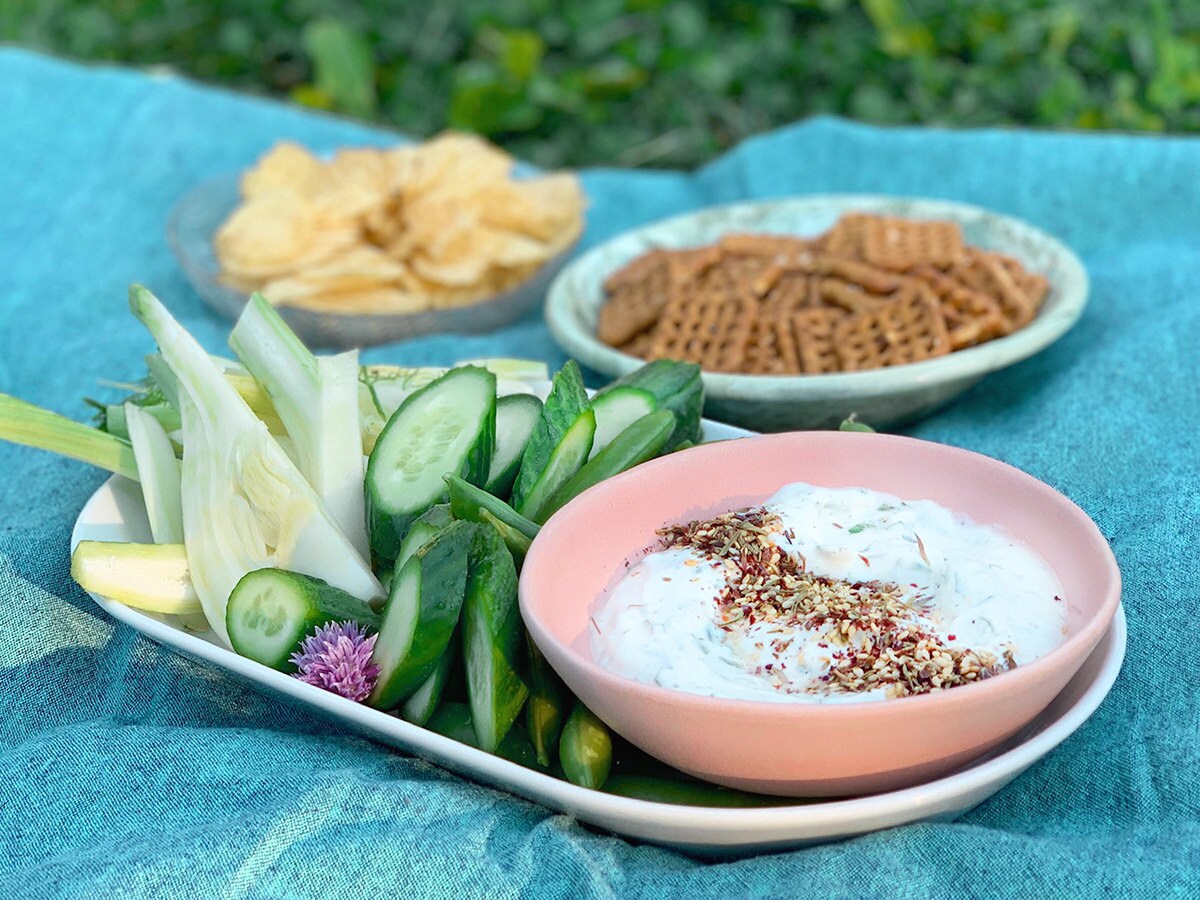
126	770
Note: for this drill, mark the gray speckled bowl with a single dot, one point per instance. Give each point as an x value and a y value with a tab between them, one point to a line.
883	397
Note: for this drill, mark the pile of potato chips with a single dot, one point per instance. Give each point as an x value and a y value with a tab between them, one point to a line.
415	227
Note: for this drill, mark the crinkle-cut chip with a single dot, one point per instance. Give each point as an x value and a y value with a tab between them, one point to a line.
352	185
380	300
237	259
446	163
538	207
286	166
277	225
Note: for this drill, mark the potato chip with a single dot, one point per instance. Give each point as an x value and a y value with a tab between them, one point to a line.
432	225
287	166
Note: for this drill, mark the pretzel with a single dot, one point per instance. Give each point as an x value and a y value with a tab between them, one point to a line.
908	329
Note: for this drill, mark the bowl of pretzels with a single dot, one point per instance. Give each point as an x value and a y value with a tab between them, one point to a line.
807	310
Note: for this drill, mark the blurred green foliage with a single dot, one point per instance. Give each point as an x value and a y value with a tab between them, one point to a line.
660	82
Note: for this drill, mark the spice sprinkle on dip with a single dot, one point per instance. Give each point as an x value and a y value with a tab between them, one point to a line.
828	595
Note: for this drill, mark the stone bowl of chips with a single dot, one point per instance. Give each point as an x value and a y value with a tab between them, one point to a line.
374	245
804	311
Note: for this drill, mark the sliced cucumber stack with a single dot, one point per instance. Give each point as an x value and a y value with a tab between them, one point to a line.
271	611
448	426
642	440
421	613
470	503
676	386
516	417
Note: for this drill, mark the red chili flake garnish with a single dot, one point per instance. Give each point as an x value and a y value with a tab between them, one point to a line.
594	625
1057	599
836	525
866	562
952	637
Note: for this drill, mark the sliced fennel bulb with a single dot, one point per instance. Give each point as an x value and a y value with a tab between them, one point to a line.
159	472
317	401
245	504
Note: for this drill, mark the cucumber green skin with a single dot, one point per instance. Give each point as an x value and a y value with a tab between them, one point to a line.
424	700
619	408
567	459
324	603
546	708
685	793
453	720
388	522
640	441
513	412
678	387
567	399
440	571
492	631
468	502
422	531
585	749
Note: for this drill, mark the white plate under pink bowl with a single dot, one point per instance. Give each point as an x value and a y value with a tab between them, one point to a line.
116	513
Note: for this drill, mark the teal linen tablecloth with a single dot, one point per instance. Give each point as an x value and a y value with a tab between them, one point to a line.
126	770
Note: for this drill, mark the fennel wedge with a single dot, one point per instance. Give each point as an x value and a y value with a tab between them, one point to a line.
245	504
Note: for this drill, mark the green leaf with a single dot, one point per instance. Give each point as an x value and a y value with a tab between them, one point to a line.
343	66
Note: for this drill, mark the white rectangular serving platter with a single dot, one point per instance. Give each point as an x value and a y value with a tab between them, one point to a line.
116	513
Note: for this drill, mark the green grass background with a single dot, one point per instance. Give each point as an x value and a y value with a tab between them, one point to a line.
659	82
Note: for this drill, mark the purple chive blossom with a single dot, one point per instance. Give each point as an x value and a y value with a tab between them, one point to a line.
337	657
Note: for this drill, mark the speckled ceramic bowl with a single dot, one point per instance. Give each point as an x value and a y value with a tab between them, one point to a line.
884	397
806	749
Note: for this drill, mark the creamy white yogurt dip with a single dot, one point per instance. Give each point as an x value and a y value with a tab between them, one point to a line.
827	595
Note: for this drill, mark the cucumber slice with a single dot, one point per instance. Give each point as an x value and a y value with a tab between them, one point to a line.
421	614
469	502
448	426
567	399
616	410
153	577
516	417
271	611
567	459
420	706
642	440
491	636
422	530
676	386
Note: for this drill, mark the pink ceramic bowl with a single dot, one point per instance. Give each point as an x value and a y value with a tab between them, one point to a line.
810	749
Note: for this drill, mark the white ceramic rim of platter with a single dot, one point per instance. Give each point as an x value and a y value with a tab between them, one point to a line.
700	830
